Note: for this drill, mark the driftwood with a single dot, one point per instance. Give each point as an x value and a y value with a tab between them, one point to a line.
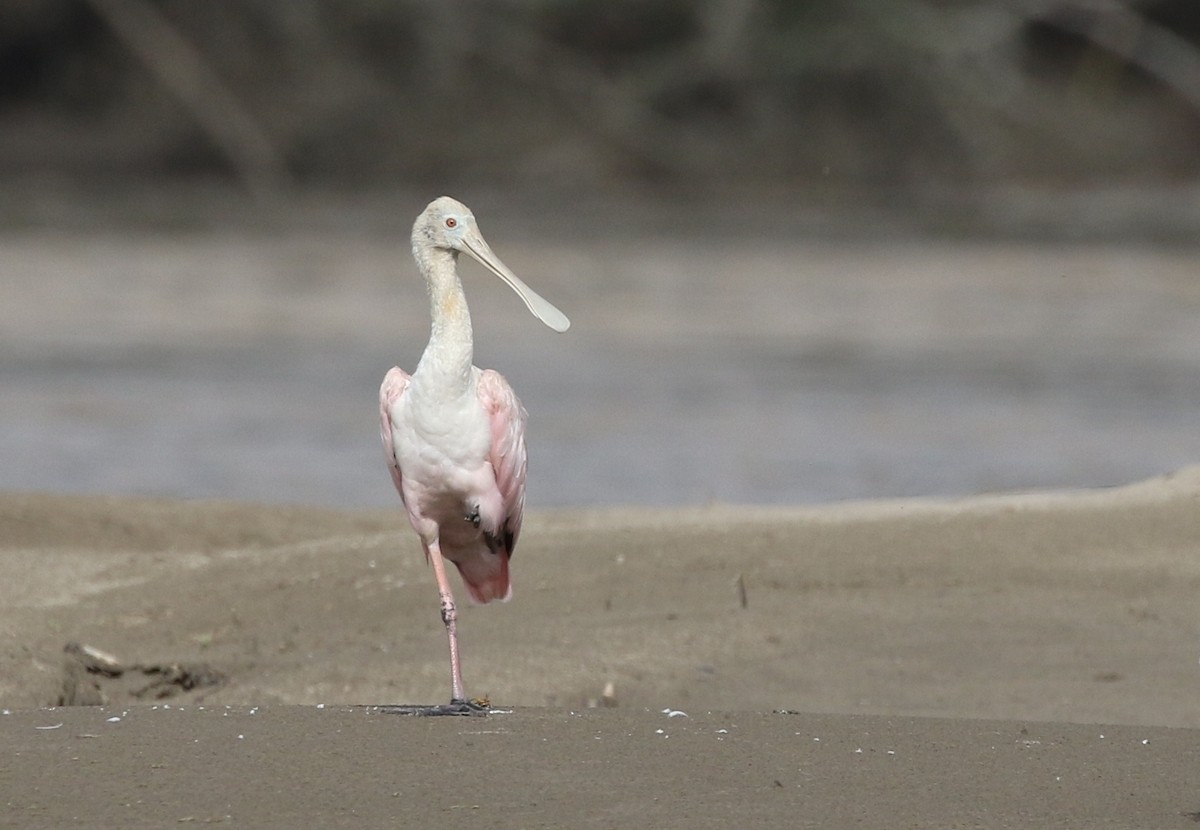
85	668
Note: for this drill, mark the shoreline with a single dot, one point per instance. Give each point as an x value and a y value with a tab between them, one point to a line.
1012	660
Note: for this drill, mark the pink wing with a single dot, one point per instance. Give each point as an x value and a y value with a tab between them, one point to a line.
394	384
507	455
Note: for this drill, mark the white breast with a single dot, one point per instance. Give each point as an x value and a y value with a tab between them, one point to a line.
442	443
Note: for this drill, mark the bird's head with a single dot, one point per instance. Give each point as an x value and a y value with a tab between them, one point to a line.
448	225
442	225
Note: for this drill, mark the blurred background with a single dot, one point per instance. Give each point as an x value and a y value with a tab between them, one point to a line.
812	251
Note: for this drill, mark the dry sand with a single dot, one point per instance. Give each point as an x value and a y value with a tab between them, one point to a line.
1010	661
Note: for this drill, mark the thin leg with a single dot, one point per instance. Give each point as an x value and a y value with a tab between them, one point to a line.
450	619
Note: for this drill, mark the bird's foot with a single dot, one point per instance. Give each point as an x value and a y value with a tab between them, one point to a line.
462	708
475	704
473	517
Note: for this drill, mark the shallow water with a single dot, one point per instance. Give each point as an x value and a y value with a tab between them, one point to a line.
246	366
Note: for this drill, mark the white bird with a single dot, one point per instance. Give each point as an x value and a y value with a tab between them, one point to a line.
454	435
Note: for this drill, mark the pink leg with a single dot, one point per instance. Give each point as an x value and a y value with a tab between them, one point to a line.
450	618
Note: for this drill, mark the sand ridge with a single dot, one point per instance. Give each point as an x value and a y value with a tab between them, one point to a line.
982	641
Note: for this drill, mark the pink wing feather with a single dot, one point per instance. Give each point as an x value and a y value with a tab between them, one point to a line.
394	384
507	456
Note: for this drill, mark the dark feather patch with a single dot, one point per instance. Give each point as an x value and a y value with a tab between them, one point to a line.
501	542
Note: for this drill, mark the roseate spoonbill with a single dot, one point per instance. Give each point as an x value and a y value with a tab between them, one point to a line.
454	435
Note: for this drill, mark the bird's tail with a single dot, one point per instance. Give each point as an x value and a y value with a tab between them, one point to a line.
486	575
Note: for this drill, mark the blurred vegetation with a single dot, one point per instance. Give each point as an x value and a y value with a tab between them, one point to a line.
896	93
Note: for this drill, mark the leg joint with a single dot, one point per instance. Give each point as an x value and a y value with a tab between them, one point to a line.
449	612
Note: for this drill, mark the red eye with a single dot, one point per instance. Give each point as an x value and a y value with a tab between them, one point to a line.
451	222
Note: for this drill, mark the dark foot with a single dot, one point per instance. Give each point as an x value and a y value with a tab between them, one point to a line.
473	517
462	708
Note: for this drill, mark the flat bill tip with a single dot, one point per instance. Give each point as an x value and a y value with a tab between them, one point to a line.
560	324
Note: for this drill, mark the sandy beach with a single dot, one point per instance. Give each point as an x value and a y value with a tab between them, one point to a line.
1013	660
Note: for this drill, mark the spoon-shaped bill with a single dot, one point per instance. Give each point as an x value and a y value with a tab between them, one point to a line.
542	308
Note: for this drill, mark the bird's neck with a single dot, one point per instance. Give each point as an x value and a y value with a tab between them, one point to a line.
450	351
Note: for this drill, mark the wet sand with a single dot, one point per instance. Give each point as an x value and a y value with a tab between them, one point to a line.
292	766
1017	660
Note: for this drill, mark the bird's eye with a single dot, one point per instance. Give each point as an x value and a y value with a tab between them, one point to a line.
451	222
